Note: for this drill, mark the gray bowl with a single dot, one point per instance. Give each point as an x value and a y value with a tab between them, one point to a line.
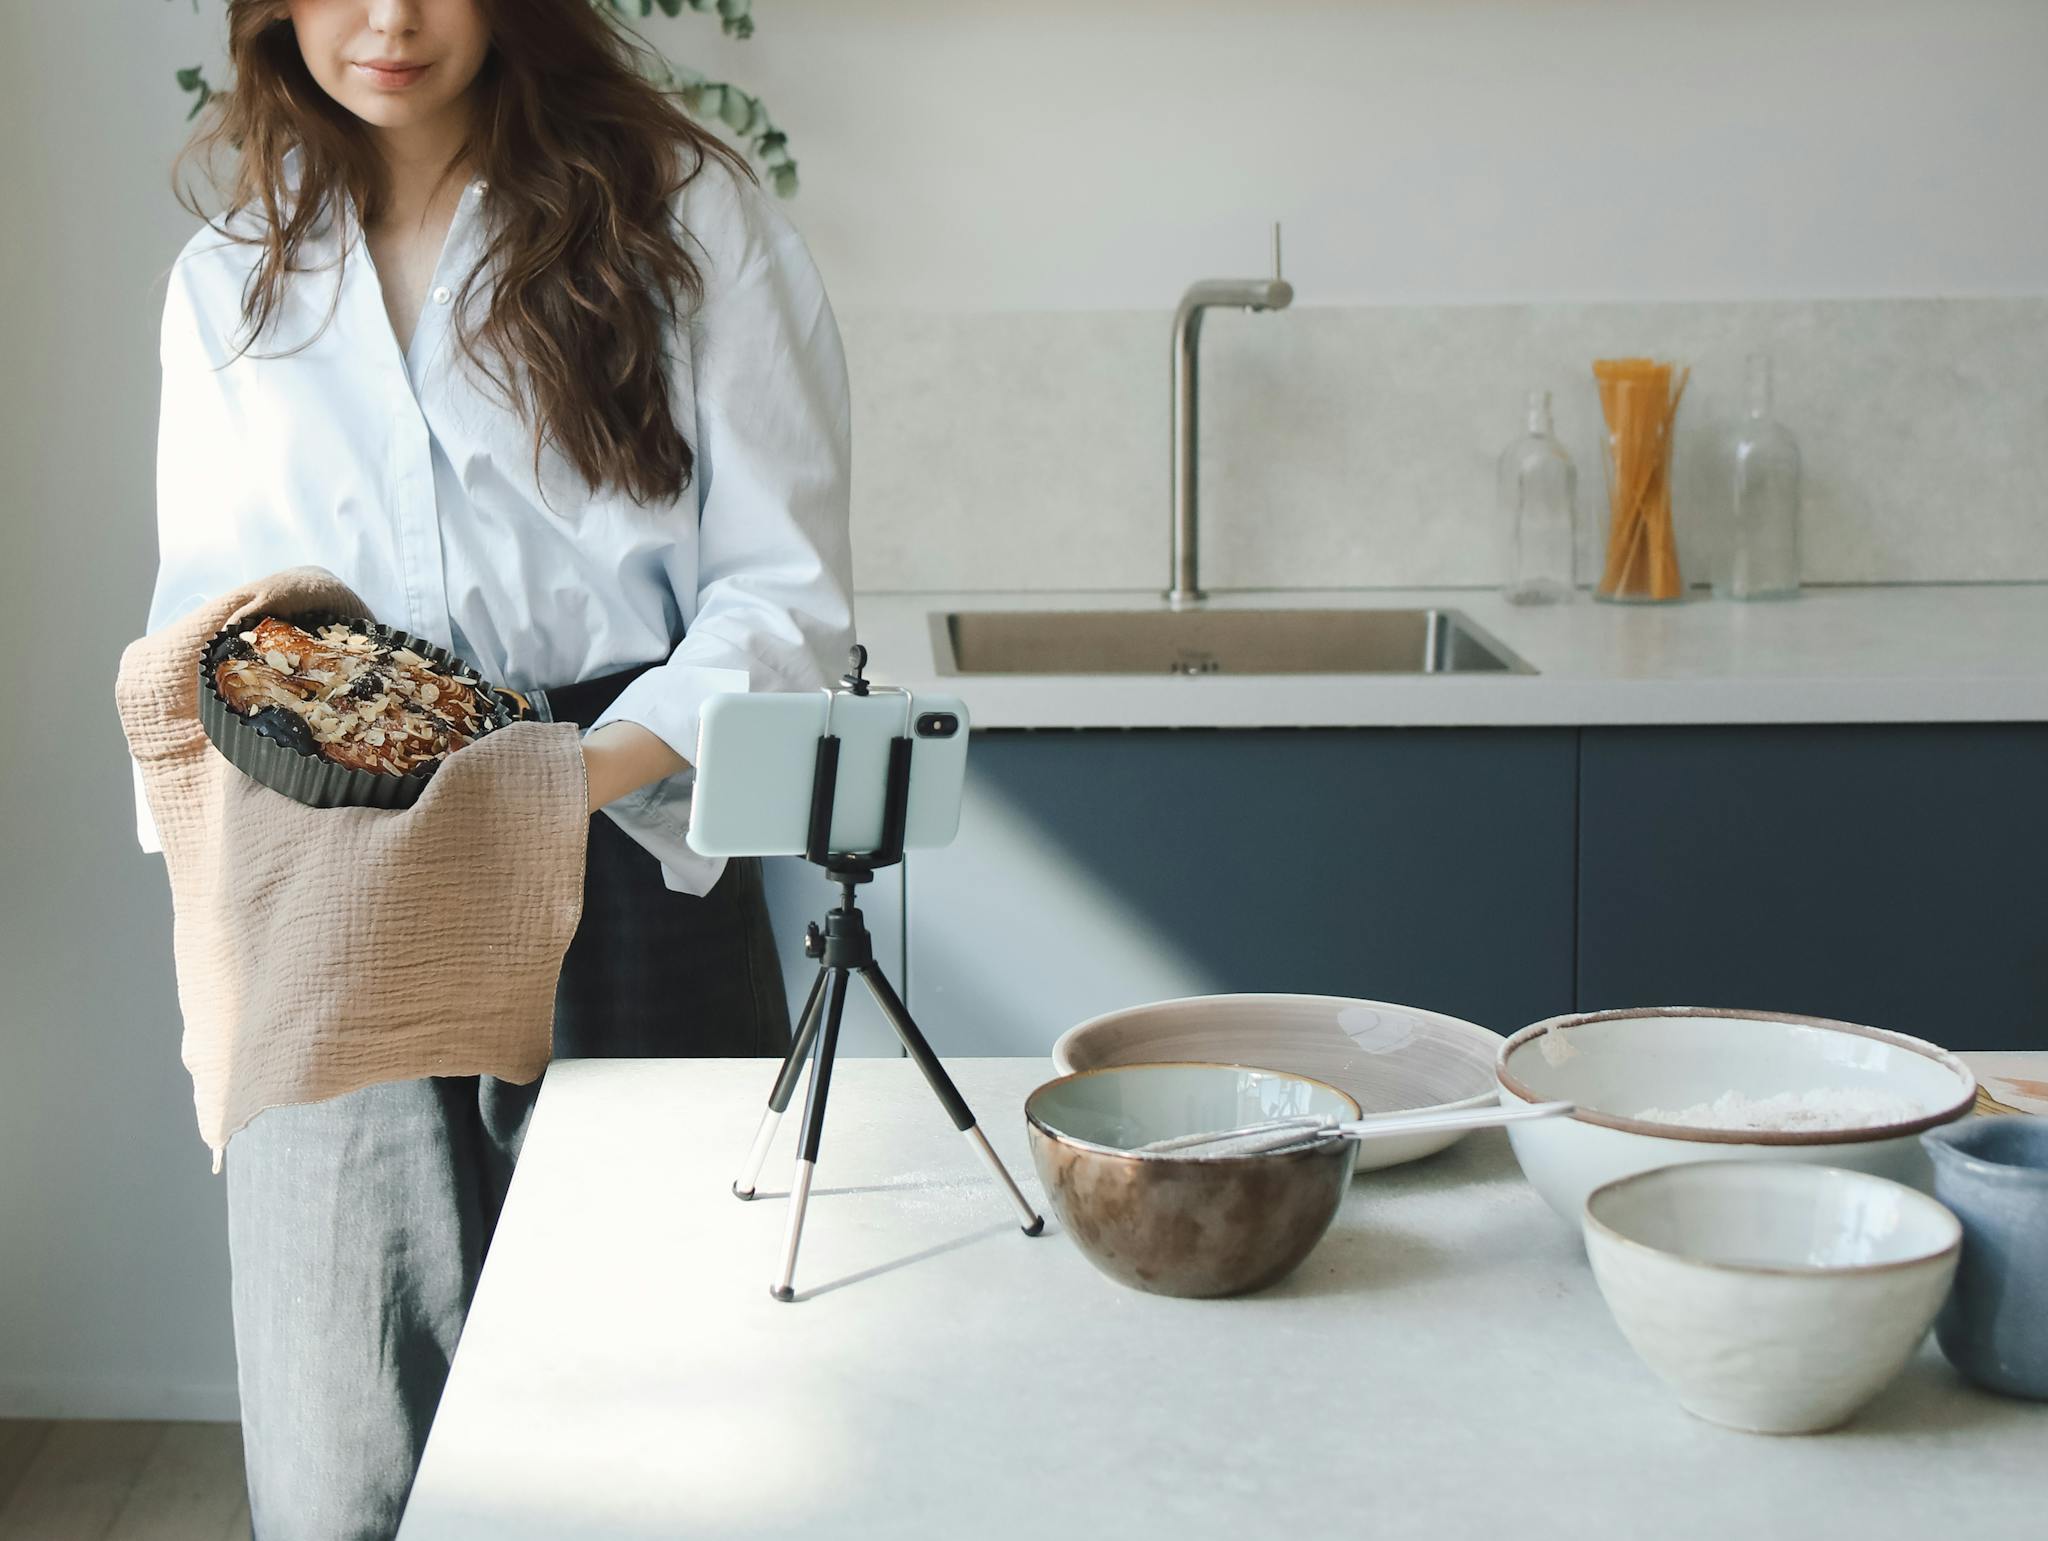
1993	1172
1186	1225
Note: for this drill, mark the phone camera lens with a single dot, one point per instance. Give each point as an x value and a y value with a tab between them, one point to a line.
937	725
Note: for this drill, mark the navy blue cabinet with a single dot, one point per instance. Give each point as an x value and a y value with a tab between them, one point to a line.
1887	875
1098	869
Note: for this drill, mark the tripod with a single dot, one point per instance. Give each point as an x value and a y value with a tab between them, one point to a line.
844	948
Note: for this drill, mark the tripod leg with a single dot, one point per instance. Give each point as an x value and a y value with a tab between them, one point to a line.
814	1125
948	1094
785	1084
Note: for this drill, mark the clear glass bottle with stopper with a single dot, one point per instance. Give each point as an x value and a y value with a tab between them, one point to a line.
1538	490
1761	558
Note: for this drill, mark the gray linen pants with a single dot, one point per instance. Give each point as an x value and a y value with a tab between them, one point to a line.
357	1227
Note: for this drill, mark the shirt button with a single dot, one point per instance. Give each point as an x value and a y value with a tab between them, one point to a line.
441	294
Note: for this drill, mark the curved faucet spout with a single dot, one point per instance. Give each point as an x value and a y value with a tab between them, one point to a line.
1273	293
1238	293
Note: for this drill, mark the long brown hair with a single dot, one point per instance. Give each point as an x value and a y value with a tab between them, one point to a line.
583	157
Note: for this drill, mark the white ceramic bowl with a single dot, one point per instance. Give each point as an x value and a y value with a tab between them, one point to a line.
1388	1058
1771	1296
1616	1064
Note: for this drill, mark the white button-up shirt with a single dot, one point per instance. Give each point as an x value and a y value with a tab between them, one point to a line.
405	476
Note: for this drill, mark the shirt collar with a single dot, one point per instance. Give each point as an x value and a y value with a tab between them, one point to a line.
332	240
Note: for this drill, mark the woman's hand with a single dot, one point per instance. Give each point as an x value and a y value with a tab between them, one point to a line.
622	757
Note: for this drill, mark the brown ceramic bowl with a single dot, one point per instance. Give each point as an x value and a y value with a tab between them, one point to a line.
1186	1225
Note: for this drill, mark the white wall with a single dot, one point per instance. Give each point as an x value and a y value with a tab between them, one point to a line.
1068	155
1098	156
112	1236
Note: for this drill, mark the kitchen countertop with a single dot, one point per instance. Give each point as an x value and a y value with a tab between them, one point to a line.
1442	1365
1909	653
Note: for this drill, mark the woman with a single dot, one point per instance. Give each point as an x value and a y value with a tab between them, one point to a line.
497	335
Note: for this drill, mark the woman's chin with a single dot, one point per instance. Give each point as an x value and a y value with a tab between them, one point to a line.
384	109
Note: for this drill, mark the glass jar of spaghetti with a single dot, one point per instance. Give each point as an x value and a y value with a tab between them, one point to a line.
1639	404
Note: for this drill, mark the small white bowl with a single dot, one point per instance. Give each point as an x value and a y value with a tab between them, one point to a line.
1616	1064
1772	1297
1388	1058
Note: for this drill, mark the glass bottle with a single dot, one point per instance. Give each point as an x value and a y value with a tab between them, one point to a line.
1538	493
1761	557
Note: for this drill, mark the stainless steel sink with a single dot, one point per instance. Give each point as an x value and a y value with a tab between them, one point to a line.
1209	641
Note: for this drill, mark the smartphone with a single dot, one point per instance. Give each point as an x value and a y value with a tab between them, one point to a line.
757	756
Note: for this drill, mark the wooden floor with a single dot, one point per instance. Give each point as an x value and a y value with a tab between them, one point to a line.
121	1482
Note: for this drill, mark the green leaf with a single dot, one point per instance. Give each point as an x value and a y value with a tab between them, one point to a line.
737	110
194	81
735	17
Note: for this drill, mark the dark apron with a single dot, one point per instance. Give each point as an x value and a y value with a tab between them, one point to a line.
655	973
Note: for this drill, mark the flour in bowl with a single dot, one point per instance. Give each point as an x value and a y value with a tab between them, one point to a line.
1835	1108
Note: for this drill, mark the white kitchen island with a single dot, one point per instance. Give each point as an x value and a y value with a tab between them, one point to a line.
1441	1367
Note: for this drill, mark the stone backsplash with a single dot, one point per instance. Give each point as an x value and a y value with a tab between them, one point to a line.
1354	447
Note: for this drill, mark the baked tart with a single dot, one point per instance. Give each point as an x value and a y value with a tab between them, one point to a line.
339	712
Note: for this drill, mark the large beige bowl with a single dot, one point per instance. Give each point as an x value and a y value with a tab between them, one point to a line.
1387	1058
1617	1065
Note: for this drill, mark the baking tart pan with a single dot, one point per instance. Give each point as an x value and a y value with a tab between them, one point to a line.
306	776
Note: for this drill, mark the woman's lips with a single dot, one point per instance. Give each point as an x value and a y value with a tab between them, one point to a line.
390	77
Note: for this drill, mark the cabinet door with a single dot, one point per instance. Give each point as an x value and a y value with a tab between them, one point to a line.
1886	875
1098	869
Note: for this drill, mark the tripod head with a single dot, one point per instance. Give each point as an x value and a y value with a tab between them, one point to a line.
851	679
848	874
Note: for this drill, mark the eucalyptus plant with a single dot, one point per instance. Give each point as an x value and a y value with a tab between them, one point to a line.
716	101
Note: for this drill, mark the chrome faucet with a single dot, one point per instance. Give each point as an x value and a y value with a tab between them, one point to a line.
1249	294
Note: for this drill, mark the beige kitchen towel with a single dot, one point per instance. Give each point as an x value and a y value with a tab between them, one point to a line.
321	950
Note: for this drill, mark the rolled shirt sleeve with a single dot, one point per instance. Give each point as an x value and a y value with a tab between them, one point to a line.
771	606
